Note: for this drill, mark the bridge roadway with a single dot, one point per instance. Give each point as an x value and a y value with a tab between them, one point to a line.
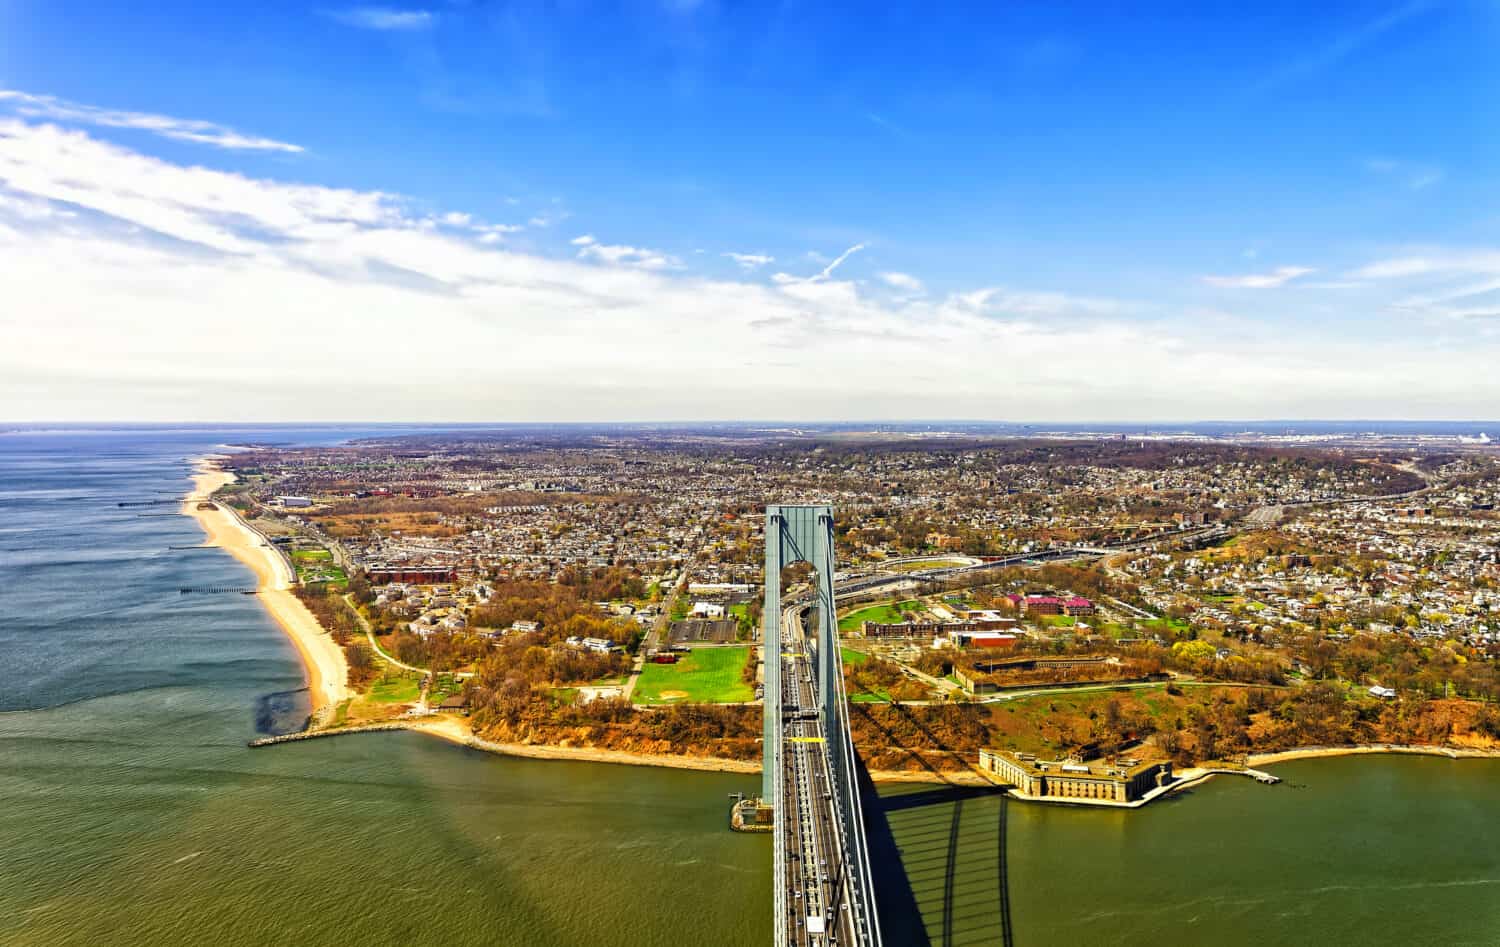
815	880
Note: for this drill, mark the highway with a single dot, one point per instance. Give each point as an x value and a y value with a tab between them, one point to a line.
865	585
816	878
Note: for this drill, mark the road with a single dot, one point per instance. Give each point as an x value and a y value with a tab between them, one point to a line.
816	878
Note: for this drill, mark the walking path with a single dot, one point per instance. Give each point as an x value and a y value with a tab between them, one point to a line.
370	634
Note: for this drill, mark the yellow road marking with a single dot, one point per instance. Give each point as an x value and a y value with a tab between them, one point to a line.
806	739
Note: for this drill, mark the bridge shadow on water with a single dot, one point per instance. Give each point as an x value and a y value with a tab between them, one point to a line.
938	855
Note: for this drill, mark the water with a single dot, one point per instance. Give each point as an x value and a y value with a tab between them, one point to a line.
1348	850
131	811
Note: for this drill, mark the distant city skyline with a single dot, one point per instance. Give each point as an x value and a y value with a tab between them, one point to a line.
686	211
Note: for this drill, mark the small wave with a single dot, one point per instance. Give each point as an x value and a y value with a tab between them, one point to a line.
187	858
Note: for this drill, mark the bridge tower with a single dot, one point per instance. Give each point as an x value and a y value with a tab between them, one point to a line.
796	534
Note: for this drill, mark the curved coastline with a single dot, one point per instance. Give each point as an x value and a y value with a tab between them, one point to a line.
1314	752
322	659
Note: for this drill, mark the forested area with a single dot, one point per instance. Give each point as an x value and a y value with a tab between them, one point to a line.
1184	723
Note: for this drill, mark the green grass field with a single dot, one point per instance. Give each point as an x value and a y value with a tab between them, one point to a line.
919	566
316	565
443	687
393	689
703	675
888	613
854	657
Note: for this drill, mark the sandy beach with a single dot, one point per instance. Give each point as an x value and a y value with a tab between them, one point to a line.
322	659
1313	752
457	731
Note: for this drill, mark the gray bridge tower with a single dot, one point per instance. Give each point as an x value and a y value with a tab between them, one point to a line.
797	534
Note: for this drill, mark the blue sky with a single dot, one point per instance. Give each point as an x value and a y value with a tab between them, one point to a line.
1290	207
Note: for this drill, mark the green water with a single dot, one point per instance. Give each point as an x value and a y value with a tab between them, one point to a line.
1367	850
152	837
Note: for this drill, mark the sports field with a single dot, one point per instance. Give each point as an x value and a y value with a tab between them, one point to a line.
703	675
885	614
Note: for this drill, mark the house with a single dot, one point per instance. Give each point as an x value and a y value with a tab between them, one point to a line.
455	703
524	627
1384	693
707	610
599	645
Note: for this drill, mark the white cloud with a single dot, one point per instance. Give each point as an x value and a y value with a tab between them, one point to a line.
1414	175
619	255
182	293
750	261
384	18
1430	263
902	281
1277	277
787	279
177	129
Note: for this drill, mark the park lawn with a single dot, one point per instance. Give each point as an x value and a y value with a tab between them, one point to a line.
1059	621
311	555
886	614
741	614
919	566
702	676
395	689
870	697
321	573
1173	625
853	657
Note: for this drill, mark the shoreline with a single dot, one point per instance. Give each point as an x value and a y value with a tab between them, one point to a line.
323	661
455	731
1317	752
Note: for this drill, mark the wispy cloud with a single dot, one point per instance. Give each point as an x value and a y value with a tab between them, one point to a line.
177	129
384	18
750	261
787	279
1414	175
1277	277
590	248
902	281
1432	262
1342	46
885	123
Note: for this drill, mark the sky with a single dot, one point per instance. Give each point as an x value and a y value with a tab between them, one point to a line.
679	210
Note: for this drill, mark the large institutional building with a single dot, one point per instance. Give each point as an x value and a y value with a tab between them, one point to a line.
1126	781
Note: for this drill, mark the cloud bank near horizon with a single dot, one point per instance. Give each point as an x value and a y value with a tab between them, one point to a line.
140	288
